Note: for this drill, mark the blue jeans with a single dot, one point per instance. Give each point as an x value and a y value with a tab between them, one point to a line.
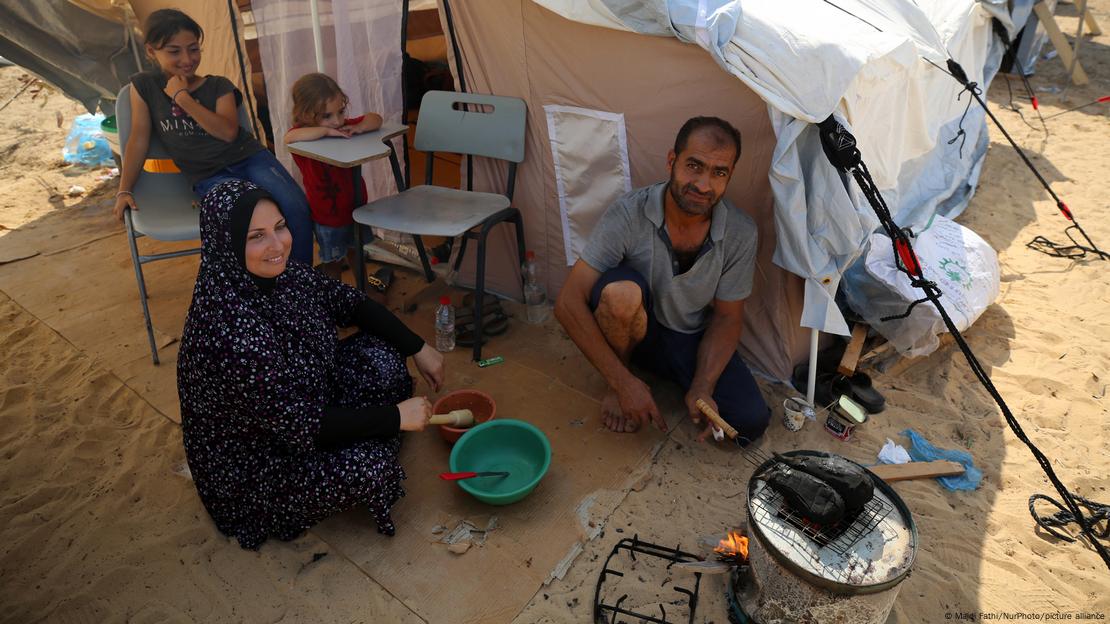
335	241
674	355
264	170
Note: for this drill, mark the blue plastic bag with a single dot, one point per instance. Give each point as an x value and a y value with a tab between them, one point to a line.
86	144
922	450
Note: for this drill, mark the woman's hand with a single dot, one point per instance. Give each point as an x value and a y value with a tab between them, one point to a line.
430	364
415	413
124	200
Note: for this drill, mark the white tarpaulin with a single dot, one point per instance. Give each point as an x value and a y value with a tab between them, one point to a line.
867	61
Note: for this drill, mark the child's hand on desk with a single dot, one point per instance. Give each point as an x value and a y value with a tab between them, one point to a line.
369	123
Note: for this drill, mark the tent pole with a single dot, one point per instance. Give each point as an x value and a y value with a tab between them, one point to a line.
131	41
811	383
405	63
316	39
248	99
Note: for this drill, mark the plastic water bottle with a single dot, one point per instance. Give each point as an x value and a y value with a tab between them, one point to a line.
445	325
535	297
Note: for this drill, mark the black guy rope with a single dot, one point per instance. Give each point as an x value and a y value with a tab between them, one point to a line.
960	76
840	148
1040	243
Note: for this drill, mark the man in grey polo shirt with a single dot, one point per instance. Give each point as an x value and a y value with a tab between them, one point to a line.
662	281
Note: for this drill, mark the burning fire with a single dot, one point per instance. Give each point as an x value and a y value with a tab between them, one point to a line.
733	547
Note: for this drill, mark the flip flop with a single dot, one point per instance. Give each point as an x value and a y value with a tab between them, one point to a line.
465	313
493	324
829	388
381	279
865	394
494	318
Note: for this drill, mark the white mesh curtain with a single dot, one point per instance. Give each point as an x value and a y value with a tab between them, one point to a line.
362	51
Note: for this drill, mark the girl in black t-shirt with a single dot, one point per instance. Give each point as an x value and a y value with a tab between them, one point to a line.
197	119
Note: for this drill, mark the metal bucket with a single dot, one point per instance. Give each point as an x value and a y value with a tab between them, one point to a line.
852	579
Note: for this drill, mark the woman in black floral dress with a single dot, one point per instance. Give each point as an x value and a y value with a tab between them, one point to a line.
283	423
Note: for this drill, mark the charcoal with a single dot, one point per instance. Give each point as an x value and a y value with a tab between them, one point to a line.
851	482
808	496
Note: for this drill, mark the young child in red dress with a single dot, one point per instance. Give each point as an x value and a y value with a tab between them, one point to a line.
320	110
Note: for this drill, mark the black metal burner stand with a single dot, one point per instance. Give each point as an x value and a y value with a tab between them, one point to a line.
607	614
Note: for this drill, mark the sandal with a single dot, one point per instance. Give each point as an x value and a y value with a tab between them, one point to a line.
381	279
828	389
465	314
493	324
865	394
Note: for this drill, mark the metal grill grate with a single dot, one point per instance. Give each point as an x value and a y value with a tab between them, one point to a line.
839	538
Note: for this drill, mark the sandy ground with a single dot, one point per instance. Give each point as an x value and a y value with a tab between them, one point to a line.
100	525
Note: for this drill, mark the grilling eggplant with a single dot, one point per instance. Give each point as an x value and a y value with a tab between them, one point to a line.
849	480
808	496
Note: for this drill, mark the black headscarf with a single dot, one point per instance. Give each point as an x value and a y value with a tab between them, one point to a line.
239	224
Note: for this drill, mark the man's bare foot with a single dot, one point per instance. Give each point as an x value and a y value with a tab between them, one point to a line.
612	416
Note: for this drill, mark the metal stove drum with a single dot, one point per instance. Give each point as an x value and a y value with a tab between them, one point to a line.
799	573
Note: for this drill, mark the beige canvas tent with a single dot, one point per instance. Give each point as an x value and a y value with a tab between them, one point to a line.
609	82
604	105
518	48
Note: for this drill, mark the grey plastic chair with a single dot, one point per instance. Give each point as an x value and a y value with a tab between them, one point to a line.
166	211
445	125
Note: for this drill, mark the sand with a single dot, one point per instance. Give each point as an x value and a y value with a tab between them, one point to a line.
100	524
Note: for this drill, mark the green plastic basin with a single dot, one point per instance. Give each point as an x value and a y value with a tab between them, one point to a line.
502	445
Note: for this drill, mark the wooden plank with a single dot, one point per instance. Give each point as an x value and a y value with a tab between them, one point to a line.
1060	42
917	470
895	364
850	359
1092	25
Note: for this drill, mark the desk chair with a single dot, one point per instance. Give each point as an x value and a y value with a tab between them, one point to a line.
493	128
166	211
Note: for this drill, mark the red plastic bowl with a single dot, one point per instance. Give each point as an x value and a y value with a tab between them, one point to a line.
478	402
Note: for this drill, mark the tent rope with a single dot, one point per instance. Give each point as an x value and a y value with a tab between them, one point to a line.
840	148
1099	512
1102	100
973	89
960	76
1036	107
1013	108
